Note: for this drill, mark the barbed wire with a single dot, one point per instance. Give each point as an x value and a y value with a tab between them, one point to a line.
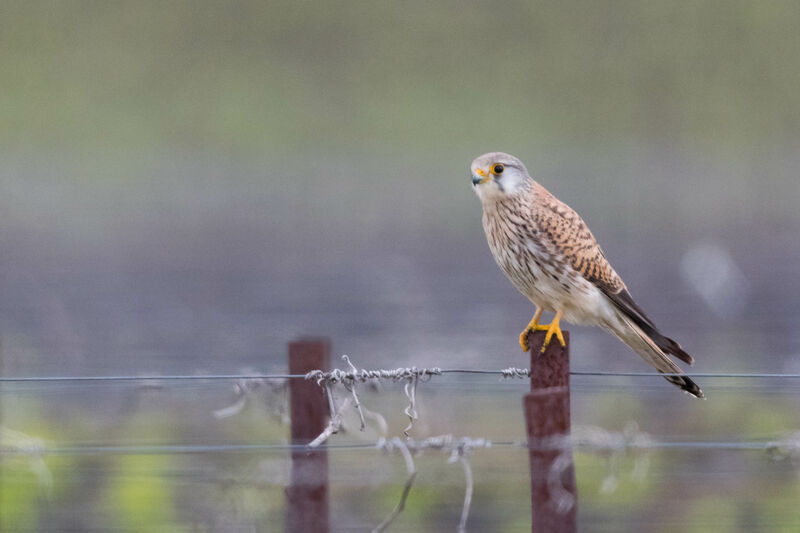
610	445
607	444
511	372
267	387
591	439
726	375
167	377
787	445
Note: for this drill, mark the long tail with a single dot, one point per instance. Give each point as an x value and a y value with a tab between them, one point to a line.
649	350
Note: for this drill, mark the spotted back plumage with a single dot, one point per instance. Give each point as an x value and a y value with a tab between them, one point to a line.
571	238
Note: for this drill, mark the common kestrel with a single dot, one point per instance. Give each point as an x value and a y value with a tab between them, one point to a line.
552	258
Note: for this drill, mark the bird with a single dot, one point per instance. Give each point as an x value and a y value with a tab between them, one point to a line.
550	256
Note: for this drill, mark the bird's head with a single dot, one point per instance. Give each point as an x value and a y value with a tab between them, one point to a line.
497	175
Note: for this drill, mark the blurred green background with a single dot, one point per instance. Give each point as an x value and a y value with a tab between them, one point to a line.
186	186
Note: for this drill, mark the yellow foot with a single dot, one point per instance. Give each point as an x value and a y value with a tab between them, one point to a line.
523	337
533	325
554	328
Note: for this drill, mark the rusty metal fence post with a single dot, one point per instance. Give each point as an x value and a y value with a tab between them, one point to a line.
307	494
553	492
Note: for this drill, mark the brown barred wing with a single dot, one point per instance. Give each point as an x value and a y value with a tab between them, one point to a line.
572	238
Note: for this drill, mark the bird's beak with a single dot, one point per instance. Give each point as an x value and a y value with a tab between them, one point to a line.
479	177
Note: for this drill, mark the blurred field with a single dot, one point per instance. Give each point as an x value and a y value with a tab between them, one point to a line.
186	186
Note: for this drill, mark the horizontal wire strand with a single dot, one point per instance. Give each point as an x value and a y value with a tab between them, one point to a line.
180	449
502	373
732	375
177	377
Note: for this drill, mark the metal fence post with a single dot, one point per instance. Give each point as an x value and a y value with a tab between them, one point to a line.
553	492
307	494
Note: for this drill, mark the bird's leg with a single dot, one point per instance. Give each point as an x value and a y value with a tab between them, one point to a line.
533	325
554	328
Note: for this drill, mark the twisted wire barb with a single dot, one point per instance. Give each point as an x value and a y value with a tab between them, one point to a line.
410	389
352	388
335	422
513	372
611	445
349	378
458	448
363	375
390	446
462	524
247	390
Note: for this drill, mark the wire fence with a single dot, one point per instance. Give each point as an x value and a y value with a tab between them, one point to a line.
246	383
345	383
183	449
609	445
427	371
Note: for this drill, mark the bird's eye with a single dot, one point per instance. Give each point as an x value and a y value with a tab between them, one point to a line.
498	169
